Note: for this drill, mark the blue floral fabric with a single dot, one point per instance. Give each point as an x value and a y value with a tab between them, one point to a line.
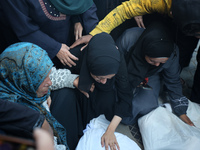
23	67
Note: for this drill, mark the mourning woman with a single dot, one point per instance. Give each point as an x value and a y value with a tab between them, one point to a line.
103	79
25	70
151	60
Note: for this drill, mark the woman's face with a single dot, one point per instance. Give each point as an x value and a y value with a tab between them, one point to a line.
44	86
156	61
102	79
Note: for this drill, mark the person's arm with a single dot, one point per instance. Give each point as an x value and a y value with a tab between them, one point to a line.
123	107
17	16
171	76
27	30
62	78
20	120
108	139
128	10
90	19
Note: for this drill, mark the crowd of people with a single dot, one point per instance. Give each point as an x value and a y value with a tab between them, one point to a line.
60	67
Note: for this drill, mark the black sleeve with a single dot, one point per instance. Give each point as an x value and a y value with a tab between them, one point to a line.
75	19
123	107
18	120
90	19
18	18
171	77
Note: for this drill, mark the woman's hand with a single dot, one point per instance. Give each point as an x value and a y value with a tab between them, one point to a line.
65	56
84	39
76	81
78	29
43	139
139	21
186	119
109	140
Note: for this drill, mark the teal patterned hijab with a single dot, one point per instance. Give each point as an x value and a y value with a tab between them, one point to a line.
23	67
72	7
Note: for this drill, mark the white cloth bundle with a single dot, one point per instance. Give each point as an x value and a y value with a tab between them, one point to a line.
162	130
91	139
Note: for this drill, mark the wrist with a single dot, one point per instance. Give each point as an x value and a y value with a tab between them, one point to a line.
110	129
114	123
75	83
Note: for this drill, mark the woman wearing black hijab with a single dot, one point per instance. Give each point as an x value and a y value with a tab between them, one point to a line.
153	56
104	80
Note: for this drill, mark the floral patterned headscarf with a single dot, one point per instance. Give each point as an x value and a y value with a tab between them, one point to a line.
23	67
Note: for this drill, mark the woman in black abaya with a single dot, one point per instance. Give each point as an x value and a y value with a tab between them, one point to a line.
104	80
153	56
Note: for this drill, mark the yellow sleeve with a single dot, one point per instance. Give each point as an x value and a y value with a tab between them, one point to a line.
128	10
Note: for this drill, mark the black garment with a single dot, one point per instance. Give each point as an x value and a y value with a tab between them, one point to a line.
112	98
186	12
19	120
155	42
144	100
66	110
186	44
7	36
101	59
100	102
39	22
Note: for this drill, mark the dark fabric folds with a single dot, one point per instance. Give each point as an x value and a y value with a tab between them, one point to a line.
18	120
101	58
186	12
155	42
